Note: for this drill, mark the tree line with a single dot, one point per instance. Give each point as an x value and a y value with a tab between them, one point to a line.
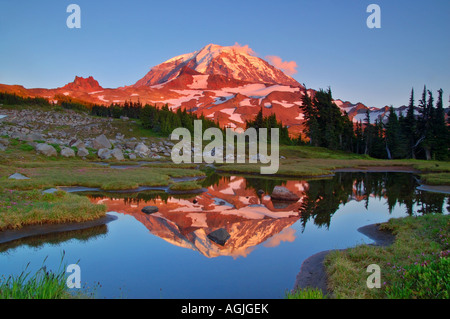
422	133
269	122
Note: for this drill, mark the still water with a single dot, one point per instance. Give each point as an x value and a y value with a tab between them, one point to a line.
168	254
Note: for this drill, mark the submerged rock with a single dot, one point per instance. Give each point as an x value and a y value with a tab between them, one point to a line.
150	209
283	194
219	236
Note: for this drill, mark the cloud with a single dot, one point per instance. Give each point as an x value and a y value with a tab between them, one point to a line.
243	49
287	67
287	234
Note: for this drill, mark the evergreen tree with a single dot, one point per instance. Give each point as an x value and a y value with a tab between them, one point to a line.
439	137
311	127
394	139
409	127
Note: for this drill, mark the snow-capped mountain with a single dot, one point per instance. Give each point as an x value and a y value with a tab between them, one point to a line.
228	84
233	62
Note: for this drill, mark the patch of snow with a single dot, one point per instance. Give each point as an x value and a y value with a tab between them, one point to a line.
200	82
259	90
102	98
283	103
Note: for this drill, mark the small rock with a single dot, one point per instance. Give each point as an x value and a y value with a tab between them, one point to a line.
150	209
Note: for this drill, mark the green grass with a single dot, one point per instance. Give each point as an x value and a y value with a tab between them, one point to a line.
410	267
46	175
41	284
21	208
436	178
185	186
306	293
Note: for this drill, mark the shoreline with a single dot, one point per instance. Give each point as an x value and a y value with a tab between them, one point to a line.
312	271
36	230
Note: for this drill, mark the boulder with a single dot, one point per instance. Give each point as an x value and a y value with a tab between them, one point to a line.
142	150
219	236
18	176
104	153
67	152
4	141
132	156
45	149
150	209
35	137
77	143
117	154
283	194
130	145
50	191
82	152
101	142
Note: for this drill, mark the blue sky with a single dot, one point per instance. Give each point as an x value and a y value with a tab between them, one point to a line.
119	41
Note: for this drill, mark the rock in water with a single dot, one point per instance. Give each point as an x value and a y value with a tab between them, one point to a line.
149	209
45	149
283	194
219	236
101	142
18	176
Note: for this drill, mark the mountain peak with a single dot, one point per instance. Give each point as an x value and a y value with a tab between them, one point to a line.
88	84
236	62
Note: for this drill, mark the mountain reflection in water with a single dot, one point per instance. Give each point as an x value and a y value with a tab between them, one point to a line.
250	217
